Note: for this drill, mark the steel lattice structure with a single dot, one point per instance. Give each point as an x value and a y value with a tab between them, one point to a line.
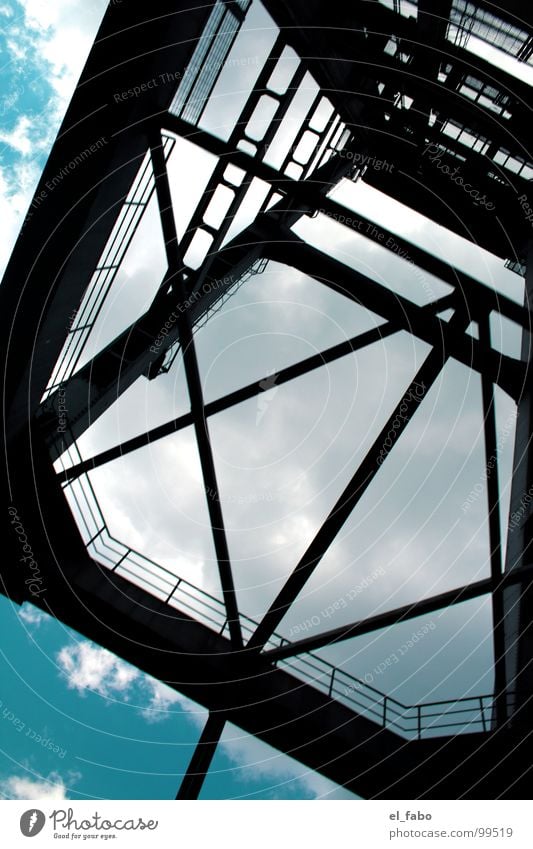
396	71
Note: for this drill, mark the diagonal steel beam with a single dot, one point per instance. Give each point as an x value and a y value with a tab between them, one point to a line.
399	614
478	296
366	472
192	373
128	356
299	369
508	373
382	620
194	778
495	535
244	393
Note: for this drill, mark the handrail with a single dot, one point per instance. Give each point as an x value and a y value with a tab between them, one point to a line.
410	721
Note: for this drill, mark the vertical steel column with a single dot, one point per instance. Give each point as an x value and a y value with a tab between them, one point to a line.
193	779
495	540
194	384
518	597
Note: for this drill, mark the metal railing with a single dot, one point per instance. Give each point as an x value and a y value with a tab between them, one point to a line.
104	275
428	719
257	267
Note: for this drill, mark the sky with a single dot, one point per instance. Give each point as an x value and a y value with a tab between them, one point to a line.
282	461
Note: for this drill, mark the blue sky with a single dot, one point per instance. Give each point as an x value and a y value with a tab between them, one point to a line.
42	50
78	723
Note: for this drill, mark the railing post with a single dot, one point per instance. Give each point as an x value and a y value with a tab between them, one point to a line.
128	552
384	711
97	534
419	712
331	681
173	589
482	713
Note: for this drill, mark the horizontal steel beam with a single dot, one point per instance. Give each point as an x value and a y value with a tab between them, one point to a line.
478	297
342	349
508	373
382	620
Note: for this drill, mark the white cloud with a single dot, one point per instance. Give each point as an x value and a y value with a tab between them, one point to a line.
257	760
45	789
61	34
19	138
88	667
31	615
16	188
163	697
47	46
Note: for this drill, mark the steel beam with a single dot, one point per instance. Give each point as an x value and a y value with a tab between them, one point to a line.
299	369
507	372
236	397
382	620
194	384
518	599
495	537
356	488
194	778
477	296
93	388
74	209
